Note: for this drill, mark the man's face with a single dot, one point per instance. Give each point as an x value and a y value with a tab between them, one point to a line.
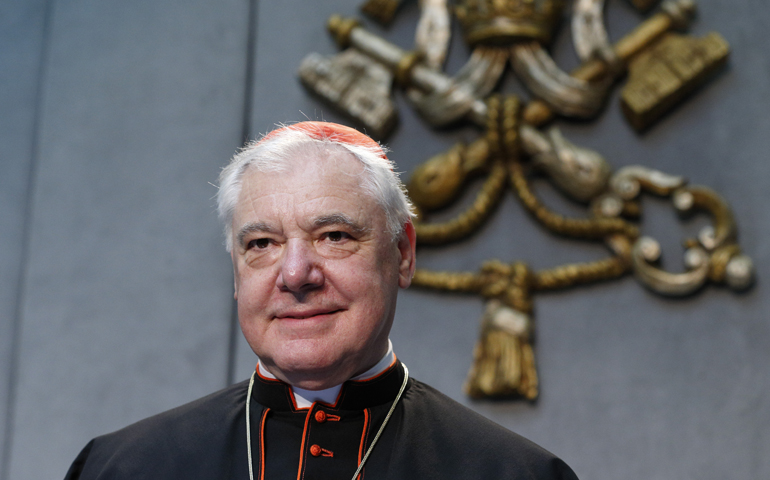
316	271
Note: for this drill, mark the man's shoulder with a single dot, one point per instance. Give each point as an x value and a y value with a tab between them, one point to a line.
439	411
165	441
209	412
468	441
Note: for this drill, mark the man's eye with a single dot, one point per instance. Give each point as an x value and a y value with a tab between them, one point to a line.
336	236
259	243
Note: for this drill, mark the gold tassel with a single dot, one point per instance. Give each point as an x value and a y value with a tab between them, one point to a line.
503	359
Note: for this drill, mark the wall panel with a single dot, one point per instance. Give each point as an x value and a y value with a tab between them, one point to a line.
127	304
22	34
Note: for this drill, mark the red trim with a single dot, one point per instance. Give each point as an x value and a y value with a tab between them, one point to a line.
294	401
364	435
291	392
336	401
267	379
332	418
262	445
343	390
379	374
300	472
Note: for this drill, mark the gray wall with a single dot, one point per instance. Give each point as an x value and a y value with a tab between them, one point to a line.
115	291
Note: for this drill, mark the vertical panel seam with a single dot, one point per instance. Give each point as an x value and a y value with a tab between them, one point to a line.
16	327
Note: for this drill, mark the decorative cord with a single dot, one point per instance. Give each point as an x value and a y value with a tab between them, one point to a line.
467	222
384	422
593	228
248	424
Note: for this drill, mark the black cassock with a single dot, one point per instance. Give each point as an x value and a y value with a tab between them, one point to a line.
429	436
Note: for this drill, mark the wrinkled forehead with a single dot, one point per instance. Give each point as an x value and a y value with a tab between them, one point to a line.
328	171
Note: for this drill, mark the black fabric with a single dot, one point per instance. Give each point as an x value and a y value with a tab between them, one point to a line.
349	423
429	436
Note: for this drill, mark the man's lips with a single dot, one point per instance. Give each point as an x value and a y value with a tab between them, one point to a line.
307	314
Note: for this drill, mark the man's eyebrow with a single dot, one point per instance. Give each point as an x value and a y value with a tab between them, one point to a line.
252	227
339	219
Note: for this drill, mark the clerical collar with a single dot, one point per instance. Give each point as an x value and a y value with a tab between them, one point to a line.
305	398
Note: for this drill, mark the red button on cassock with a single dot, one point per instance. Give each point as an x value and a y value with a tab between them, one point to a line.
320	416
315	450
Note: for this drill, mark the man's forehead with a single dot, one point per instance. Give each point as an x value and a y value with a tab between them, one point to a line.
322	190
309	178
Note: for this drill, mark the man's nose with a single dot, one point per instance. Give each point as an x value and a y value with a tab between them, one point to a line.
300	268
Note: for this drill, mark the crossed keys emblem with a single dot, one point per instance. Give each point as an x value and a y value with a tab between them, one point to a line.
662	67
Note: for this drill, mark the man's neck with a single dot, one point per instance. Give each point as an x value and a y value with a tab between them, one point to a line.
305	398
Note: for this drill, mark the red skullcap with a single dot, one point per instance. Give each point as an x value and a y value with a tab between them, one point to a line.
330	131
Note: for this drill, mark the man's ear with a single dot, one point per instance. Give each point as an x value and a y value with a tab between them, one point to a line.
407	244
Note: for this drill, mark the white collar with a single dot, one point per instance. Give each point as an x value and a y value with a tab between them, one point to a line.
305	398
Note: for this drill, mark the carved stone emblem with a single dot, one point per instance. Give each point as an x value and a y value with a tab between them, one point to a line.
662	69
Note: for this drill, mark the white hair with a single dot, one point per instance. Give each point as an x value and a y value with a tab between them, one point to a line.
276	152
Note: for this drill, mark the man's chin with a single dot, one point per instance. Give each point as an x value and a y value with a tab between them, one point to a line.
312	373
306	333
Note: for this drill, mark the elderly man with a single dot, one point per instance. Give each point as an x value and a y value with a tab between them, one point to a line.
319	231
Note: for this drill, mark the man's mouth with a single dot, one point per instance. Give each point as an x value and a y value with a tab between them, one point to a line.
303	315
